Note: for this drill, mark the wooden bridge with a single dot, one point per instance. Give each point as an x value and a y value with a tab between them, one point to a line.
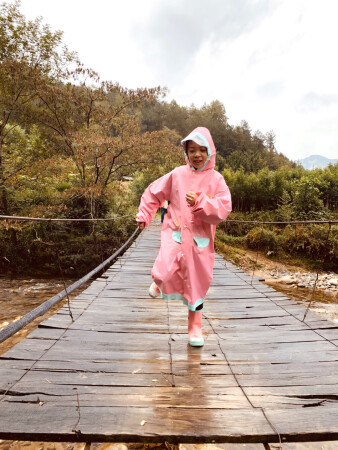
122	370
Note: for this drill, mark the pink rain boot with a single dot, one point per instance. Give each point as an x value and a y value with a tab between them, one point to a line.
195	329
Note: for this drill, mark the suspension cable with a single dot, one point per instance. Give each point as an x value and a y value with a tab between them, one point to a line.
46	219
283	223
14	327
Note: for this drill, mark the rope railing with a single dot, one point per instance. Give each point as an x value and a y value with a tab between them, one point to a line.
284	223
46	219
16	326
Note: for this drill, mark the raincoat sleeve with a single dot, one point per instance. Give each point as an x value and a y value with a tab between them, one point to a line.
153	197
214	210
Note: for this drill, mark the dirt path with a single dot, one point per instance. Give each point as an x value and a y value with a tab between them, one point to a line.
276	272
294	281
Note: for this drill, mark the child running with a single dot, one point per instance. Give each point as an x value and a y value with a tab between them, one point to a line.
199	200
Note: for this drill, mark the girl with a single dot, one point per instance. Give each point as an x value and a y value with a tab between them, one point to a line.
199	200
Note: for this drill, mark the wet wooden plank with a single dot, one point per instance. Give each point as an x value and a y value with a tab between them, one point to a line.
108	396
319	445
313	422
124	424
325	391
287	374
221	446
278	336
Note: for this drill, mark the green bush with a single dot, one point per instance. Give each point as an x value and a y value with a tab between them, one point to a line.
311	193
52	249
229	239
313	242
261	239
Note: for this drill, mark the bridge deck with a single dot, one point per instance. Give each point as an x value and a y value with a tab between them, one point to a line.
122	371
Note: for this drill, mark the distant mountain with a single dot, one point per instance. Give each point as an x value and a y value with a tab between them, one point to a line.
316	162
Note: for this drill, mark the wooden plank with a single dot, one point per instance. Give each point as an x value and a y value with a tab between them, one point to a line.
71	377
286	380
318	445
271	335
106	396
252	324
124	424
289	374
314	422
68	379
325	391
290	401
221	446
330	333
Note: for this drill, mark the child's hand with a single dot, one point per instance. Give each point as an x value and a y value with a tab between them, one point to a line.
141	225
191	197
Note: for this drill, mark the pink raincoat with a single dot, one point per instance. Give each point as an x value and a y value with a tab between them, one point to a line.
184	266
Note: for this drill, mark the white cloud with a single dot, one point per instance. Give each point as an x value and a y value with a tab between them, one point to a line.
270	89
313	102
102	32
176	31
265	75
270	63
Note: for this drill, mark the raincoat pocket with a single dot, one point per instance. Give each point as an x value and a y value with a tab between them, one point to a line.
201	242
177	236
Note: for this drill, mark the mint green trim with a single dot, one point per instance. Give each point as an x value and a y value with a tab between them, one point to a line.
193	307
180	297
201	242
177	236
190	137
196	342
172	296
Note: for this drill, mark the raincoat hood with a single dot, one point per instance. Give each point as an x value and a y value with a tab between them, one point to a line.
201	136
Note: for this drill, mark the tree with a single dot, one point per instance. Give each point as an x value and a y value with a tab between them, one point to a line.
307	203
30	54
96	124
329	194
19	152
285	210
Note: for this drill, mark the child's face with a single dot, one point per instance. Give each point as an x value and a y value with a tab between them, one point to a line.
197	154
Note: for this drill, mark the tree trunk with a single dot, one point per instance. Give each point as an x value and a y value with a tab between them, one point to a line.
3	192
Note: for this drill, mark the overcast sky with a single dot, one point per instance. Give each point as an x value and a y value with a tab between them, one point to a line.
271	62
